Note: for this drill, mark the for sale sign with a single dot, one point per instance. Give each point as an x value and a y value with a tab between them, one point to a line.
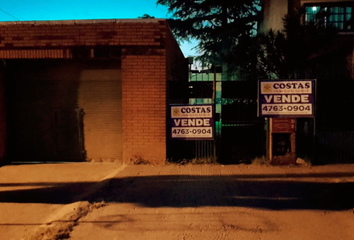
286	98
192	122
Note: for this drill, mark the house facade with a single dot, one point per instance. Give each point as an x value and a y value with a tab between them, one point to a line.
87	90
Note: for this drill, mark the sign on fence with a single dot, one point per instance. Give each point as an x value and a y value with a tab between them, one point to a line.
192	122
286	98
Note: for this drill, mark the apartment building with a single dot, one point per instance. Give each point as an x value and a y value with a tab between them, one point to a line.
337	13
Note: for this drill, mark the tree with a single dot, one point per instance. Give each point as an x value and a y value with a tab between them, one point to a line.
284	54
146	16
219	25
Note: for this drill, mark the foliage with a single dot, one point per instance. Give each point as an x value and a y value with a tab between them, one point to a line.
260	161
220	26
271	57
146	16
139	160
283	54
226	34
196	161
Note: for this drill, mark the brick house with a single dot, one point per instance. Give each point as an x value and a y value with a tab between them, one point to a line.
87	89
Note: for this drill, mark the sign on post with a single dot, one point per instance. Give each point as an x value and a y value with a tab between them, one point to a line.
283	125
286	98
192	122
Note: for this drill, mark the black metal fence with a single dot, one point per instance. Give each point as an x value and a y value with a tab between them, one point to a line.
241	135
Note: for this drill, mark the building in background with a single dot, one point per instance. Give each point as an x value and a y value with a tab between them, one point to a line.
337	13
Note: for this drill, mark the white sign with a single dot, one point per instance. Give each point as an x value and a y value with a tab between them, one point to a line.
192	122
291	87
195	111
293	98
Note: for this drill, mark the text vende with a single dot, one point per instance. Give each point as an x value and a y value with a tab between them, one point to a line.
290	98
191	122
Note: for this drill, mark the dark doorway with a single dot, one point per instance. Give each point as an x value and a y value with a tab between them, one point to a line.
69	142
44	121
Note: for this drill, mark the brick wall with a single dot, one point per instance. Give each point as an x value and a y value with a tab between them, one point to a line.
149	57
144	108
52	34
67	39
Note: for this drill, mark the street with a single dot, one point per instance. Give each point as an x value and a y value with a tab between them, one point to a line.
224	202
84	201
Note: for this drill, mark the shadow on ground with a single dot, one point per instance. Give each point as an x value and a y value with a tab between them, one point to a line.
52	193
278	192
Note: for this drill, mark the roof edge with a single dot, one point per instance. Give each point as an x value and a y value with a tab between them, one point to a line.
83	21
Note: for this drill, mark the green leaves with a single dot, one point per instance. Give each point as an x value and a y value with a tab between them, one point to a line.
216	24
226	33
284	54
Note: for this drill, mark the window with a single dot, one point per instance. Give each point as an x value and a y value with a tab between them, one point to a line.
338	16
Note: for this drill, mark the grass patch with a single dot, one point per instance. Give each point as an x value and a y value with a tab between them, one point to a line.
209	160
138	160
260	161
303	161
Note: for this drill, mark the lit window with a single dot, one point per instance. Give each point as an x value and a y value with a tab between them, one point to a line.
339	17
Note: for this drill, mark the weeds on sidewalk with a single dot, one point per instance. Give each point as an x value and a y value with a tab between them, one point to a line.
303	161
138	160
209	160
264	161
260	161
61	228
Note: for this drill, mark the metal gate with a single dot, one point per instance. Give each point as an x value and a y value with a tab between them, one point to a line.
240	134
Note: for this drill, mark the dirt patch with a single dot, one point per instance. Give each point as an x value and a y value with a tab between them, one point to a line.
61	223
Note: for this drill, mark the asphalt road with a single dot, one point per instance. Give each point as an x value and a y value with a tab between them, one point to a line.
224	202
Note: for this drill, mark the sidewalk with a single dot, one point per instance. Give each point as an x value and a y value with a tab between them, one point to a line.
35	194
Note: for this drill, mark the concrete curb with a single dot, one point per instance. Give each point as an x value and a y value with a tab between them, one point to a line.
62	221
